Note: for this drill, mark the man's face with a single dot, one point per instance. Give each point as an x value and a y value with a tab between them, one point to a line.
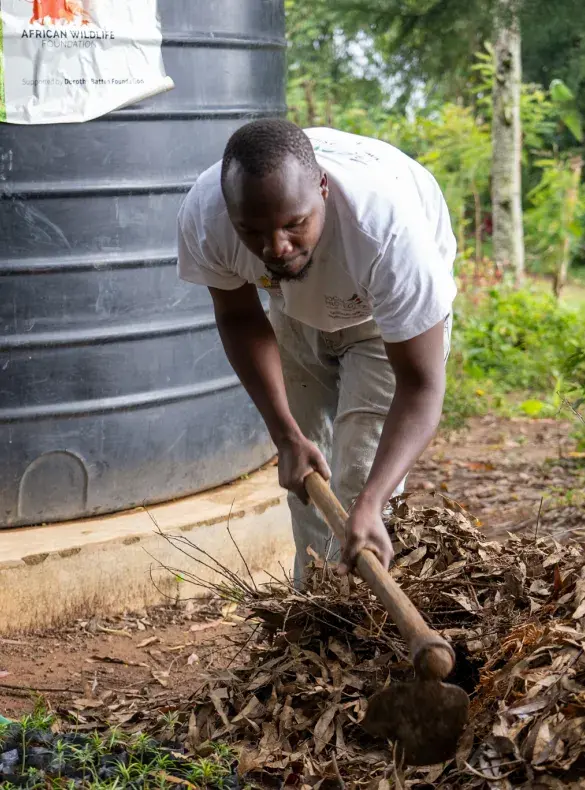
280	217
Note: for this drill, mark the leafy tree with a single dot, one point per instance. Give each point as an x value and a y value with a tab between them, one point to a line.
324	78
425	48
432	42
554	219
558	201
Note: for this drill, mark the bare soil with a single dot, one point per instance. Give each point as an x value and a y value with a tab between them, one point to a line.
146	652
513	475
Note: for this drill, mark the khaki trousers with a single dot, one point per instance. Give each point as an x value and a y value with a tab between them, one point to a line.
339	386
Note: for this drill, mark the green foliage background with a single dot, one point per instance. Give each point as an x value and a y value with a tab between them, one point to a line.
418	74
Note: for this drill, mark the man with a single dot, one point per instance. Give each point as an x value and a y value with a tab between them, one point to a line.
352	241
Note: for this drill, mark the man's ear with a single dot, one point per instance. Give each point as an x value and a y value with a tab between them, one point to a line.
324	186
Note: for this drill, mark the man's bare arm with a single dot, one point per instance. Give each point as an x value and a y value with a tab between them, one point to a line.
251	347
415	413
411	423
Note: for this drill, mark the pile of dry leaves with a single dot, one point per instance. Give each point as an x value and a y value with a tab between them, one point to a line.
514	612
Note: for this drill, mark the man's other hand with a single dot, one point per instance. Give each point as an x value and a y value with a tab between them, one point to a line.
297	458
365	530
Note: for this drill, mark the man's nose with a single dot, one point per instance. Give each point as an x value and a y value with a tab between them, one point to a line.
277	246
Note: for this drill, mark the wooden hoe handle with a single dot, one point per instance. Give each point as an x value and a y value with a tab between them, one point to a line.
431	655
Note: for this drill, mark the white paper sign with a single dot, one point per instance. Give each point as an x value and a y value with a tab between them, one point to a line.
64	61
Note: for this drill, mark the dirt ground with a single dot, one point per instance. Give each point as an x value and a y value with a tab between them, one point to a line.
512	474
143	653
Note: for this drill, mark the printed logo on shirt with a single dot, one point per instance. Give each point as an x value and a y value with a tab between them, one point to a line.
354	307
269	284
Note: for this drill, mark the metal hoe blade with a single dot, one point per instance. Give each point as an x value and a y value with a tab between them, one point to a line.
424	718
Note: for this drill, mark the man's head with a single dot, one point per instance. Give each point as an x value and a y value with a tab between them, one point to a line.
275	194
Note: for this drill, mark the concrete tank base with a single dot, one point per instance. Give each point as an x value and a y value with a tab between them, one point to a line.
53	575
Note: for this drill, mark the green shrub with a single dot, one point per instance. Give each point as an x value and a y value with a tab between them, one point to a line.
521	340
513	352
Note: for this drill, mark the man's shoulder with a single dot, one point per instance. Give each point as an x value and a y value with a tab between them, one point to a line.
356	150
371	165
372	205
377	186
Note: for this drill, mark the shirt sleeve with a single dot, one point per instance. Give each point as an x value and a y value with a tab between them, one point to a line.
195	262
411	284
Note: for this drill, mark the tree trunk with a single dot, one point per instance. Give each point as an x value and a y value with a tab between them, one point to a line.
461	241
310	99
570	206
329	113
508	234
478	228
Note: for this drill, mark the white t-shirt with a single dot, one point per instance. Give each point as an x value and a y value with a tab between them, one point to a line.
386	252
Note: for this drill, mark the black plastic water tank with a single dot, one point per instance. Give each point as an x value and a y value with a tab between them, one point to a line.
114	388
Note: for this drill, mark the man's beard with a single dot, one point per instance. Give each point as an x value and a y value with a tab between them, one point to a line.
289	277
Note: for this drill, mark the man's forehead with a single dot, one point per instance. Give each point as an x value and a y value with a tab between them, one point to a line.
290	180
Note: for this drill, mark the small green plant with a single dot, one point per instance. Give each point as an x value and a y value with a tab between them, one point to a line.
139	743
136	760
42	718
86	760
207	771
223	751
170	720
115	737
97	743
4	730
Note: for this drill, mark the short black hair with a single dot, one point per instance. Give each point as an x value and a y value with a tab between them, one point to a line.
260	147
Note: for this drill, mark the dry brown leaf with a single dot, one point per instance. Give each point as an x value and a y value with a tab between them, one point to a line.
161	676
546	744
252	710
464	601
228	609
269	739
152	640
114	631
378	784
192	739
177	648
412	558
205	626
83	704
111	660
215	696
465	746
261	679
175	780
250	760
324	728
434	773
342	651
